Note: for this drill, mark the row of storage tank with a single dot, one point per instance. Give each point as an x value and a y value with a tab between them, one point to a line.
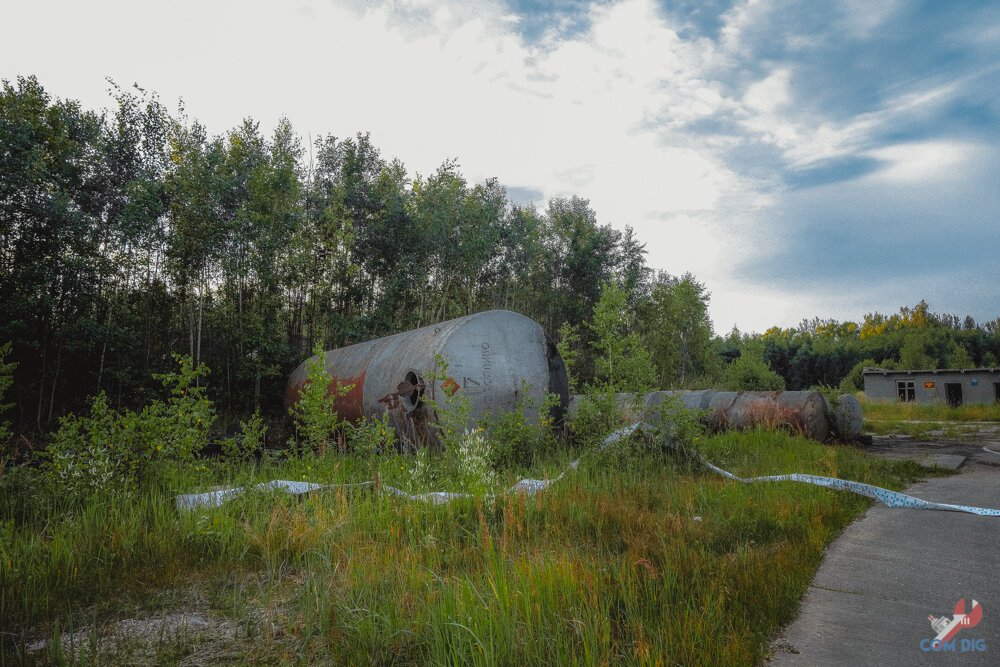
497	358
807	413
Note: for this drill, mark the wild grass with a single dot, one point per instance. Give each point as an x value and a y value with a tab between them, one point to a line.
923	421
657	561
896	411
921	430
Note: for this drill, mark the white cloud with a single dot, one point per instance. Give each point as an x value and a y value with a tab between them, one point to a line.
770	94
922	162
603	114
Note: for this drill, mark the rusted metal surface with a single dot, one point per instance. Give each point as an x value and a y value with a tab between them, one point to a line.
490	356
805	412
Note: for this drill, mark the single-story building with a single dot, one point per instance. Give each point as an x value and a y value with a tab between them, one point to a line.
955	387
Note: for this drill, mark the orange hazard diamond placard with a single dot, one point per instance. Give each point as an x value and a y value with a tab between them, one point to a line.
450	387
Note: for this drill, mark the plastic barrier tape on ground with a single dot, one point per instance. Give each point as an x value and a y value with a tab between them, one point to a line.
890	498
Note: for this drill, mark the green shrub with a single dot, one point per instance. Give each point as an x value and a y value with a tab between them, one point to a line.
250	441
520	434
108	451
317	423
6	380
597	414
669	434
750	374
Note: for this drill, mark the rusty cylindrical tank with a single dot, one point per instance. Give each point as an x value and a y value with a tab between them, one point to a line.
490	355
804	411
846	418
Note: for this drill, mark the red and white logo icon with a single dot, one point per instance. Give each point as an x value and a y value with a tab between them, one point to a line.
946	629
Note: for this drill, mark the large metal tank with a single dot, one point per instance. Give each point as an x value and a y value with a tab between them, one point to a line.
805	412
491	357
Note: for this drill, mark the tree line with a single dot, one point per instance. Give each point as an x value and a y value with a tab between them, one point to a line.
832	353
132	233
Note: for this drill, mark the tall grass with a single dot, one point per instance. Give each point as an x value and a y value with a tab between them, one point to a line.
657	561
896	411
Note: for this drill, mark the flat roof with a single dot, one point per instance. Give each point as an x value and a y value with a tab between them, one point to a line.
871	370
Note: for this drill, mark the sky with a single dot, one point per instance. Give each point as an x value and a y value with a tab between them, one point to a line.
801	159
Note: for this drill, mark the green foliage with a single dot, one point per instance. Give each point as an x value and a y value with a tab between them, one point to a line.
958	357
460	456
468	456
372	437
914	353
84	460
676	328
520	435
6	380
316	421
569	340
623	364
265	249
109	451
598	413
178	427
748	373
667	437
855	380
249	443
465	465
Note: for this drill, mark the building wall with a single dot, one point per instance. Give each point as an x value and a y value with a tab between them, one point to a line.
978	384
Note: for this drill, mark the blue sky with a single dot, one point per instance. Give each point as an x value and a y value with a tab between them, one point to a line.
801	158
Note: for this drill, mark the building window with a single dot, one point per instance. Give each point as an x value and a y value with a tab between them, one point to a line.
906	391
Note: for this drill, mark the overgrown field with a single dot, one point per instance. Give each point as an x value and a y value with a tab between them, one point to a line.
639	555
973	412
882	418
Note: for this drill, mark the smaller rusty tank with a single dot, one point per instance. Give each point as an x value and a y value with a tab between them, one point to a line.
492	358
805	412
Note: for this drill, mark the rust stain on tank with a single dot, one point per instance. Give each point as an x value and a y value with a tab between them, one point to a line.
350	406
292	393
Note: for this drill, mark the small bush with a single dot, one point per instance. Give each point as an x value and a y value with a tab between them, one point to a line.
111	451
670	434
597	414
249	443
317	423
520	434
6	380
749	374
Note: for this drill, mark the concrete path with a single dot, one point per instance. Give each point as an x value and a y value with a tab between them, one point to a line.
869	601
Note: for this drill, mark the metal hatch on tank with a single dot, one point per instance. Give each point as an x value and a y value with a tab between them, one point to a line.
490	355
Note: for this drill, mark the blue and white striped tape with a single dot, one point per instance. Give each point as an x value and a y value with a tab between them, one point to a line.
890	498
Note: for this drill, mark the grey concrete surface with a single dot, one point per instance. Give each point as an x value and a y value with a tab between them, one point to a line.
869	601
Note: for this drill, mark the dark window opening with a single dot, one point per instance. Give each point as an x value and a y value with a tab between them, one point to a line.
996	392
953	393
906	391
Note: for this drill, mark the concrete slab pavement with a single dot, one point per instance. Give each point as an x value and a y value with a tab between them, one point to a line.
869	601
